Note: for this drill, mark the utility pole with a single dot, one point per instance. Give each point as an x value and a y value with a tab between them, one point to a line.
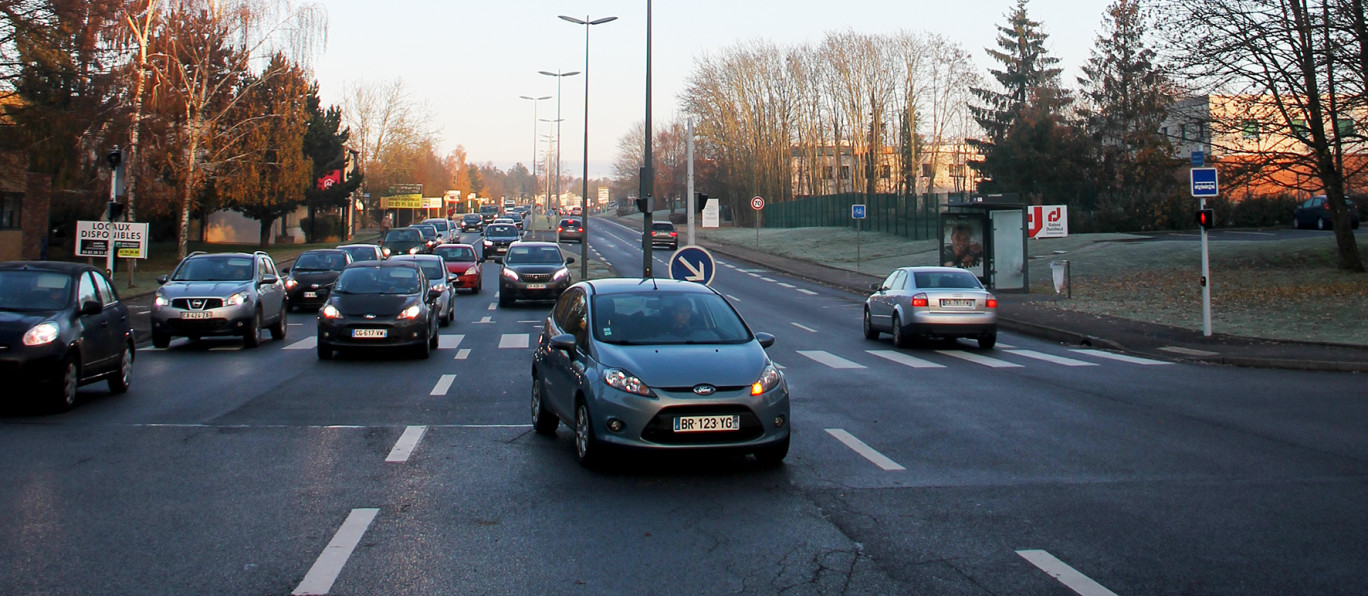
692	199
647	191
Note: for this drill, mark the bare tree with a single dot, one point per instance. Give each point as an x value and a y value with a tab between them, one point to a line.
388	125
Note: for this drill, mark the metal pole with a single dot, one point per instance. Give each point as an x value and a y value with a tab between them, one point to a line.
647	171
692	198
109	214
859	227
1206	282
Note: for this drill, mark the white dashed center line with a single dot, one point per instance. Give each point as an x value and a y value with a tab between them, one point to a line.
1066	575
449	342
462	354
803	327
407	442
784	285
864	450
767	279
808	292
443	385
513	340
324	572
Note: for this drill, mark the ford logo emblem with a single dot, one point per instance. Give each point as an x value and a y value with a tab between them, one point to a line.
704	389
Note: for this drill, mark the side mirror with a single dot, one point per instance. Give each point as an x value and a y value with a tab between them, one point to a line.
498	259
453	277
434	293
269	280
162	279
876	287
91	307
766	340
569	260
564	341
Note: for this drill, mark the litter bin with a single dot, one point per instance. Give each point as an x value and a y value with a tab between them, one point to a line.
1060	269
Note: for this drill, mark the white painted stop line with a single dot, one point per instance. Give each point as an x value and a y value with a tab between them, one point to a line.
407	442
904	359
324	572
1082	584
829	359
864	450
1051	358
513	340
978	359
443	385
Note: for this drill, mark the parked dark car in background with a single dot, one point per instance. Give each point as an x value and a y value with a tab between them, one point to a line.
62	325
1315	213
309	280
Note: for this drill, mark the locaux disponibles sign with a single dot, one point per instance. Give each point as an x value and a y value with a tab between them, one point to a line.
128	240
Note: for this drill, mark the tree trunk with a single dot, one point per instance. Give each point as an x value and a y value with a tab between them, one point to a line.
188	192
264	239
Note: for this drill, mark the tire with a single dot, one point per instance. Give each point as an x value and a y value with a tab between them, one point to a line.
251	337
64	394
543	421
123	376
986	342
424	350
476	289
900	339
869	331
325	351
278	329
587	448
504	302
434	341
160	339
773	455
1323	224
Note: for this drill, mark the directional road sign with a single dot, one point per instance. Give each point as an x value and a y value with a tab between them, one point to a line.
857	211
1204	182
692	263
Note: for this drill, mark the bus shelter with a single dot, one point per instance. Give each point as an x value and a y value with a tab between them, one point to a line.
986	235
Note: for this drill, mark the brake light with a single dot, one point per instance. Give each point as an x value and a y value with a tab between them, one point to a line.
560	229
919	300
673	234
991	302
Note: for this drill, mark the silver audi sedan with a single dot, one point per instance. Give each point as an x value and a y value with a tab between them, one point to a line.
931	302
658	365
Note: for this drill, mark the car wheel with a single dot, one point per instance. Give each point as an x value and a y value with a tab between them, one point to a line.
543	421
64	394
504	302
900	339
986	342
124	376
160	339
278	329
476	289
434	341
773	455
325	351
587	447
1296	223
869	331
1323	224
251	337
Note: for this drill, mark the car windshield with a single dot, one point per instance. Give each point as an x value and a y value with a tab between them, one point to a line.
489	209
361	253
214	269
501	230
471	217
458	254
959	280
533	255
378	280
34	290
405	235
313	261
649	318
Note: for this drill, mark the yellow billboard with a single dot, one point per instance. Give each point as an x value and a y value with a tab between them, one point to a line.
405	201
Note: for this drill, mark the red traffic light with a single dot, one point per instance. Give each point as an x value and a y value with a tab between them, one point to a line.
1205	219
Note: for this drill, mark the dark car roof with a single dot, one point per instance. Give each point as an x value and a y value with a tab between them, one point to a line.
342	246
56	266
626	285
391	262
326	251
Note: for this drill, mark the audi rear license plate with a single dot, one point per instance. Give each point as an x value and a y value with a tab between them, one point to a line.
957	303
695	424
369	333
196	315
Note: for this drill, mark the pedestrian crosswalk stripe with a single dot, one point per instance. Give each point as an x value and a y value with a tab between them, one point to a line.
829	359
443	385
308	343
462	354
978	359
904	359
1051	358
1121	357
449	342
513	340
865	450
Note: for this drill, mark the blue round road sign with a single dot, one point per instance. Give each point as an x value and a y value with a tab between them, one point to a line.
692	263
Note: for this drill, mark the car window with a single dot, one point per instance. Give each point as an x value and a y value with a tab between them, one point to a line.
86	290
561	314
361	253
663	227
378	280
649	318
501	230
535	255
404	235
888	281
456	254
427	232
434	270
313	261
959	280
576	320
215	268
34	290
107	293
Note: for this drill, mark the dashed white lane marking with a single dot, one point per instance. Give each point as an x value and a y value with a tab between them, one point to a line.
727	265
144	312
803	327
904	359
1121	357
864	450
1051	358
532	321
449	342
733	298
978	359
407	442
462	354
1187	351
513	340
304	344
829	359
1082	584
485	320
789	286
443	385
493	306
1254	233
324	572
225	348
808	292
767	279
295	324
753	274
1005	346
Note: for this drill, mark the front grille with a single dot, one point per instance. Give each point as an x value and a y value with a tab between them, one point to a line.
661	428
197	303
537	278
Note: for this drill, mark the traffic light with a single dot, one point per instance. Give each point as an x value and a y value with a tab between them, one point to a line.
114	158
114	210
1205	219
701	201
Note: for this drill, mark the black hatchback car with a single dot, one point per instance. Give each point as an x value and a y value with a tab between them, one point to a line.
1315	213
533	271
497	238
379	305
472	222
312	276
62	326
403	241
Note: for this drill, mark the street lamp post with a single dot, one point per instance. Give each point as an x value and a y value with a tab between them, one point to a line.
533	164
556	146
647	168
559	75
584	194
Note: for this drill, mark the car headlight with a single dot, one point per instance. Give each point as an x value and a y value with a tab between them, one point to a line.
488	243
622	381
329	312
162	301
290	283
411	312
413	251
236	299
510	274
769	379
562	274
386	251
41	334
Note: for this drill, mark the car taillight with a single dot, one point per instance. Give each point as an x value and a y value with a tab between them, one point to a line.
919	300
560	229
673	234
991	302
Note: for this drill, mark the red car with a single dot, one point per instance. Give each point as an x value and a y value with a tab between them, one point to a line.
460	261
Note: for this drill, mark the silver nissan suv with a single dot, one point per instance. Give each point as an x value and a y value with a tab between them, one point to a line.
220	294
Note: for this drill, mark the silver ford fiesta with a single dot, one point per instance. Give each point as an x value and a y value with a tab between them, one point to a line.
657	364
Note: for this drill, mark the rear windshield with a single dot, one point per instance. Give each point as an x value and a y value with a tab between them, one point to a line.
946	279
471	217
501	230
533	255
34	290
404	235
489	209
215	269
378	280
650	318
440	224
664	227
456	254
426	231
569	223
361	253
312	261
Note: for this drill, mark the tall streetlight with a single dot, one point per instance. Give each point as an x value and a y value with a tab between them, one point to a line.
584	195
559	75
550	146
533	164
647	191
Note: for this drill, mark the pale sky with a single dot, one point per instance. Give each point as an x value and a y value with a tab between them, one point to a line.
472	60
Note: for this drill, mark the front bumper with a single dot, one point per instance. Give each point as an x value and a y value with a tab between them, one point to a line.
649	422
32	367
398	334
527	291
299	296
225	320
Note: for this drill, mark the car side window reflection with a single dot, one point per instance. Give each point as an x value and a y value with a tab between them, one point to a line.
106	291
900	283
578	326
888	282
86	290
562	312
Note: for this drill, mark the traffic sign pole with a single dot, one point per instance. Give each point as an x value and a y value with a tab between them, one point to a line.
1205	182
1206	282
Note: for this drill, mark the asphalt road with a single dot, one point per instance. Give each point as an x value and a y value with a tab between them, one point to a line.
941	469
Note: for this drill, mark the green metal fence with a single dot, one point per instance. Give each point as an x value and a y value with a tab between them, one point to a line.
910	216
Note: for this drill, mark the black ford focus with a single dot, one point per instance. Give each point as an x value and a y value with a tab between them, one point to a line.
379	305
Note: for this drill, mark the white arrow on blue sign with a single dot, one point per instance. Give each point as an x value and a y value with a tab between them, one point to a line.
692	263
1204	182
857	211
